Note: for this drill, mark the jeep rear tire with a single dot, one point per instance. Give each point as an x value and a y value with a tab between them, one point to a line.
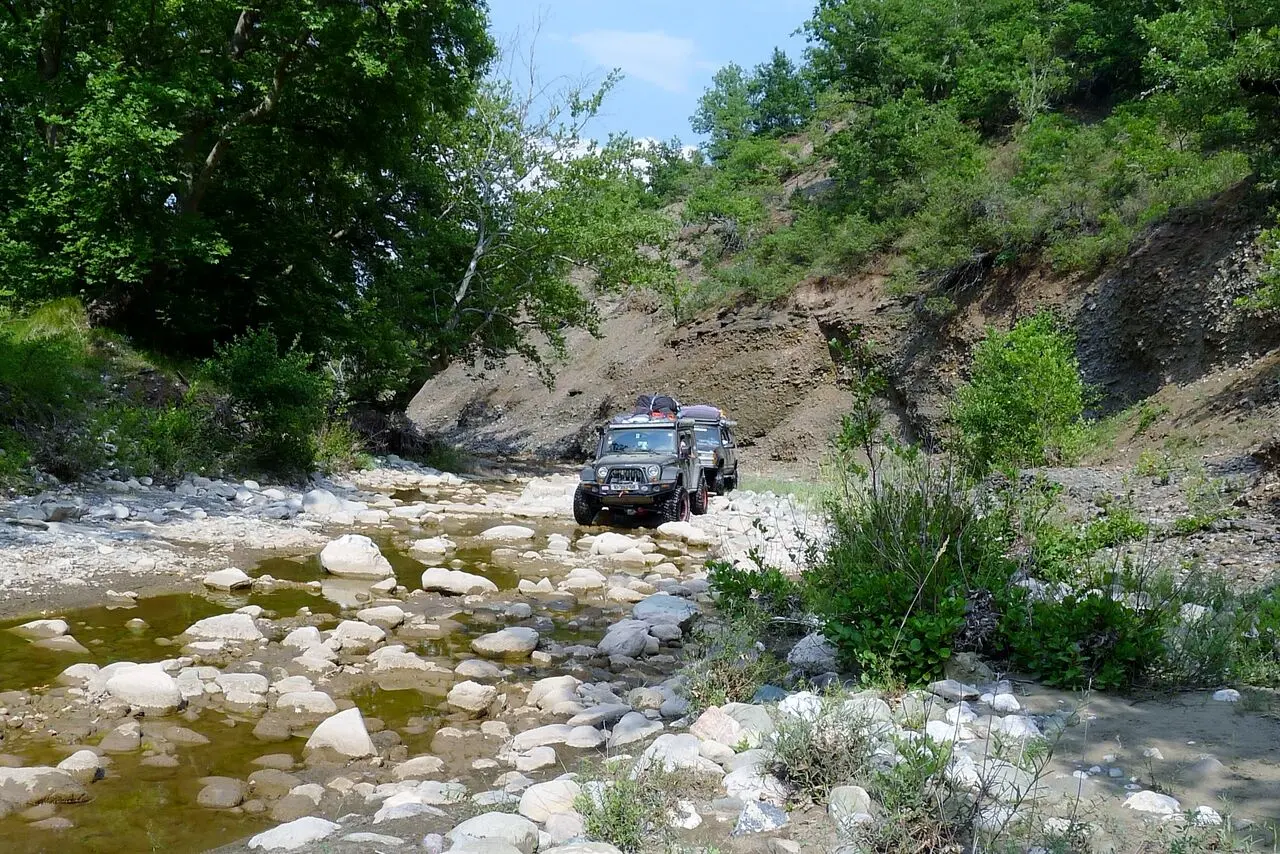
585	507
675	507
699	500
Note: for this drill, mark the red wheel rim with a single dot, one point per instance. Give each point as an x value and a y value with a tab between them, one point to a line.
684	509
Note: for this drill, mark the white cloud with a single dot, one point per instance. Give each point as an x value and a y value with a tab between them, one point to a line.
666	61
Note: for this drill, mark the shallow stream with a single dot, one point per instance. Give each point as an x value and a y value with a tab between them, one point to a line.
147	800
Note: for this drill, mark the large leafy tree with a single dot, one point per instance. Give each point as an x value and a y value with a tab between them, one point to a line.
193	169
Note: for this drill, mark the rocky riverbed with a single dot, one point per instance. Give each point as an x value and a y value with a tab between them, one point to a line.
409	660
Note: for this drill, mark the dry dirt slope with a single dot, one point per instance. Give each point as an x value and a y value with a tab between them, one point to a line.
1161	320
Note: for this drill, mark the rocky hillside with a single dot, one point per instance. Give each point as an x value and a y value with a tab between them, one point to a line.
1159	322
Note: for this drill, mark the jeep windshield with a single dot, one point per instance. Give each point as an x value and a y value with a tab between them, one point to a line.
708	438
641	440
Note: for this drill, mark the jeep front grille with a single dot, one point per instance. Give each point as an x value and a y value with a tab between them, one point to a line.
627	476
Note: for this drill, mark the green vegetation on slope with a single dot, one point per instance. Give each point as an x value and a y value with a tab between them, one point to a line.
947	138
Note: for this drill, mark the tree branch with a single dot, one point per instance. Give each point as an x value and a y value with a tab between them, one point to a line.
241	34
260	111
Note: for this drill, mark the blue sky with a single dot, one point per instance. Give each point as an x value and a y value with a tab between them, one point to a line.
667	50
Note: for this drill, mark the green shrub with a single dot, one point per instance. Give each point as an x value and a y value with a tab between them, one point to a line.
1259	651
278	398
1062	553
49	385
1024	401
814	754
908	548
630	810
731	666
1085	639
340	448
170	441
743	592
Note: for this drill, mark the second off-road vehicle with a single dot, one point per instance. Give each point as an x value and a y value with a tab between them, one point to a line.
716	448
645	464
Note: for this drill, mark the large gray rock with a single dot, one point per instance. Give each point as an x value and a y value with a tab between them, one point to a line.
355	636
83	765
383	616
813	654
344	734
306	703
508	533
26	787
456	582
627	637
227	579
42	629
665	608
757	817
355	556
633	727
515	830
146	687
676	753
513	641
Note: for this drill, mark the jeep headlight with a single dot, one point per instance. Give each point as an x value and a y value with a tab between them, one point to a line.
653	472
602	473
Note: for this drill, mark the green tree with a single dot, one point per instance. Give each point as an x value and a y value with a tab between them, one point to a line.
196	169
779	96
724	111
1024	401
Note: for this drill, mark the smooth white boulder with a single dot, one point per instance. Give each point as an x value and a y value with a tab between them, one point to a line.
225	627
146	687
383	616
543	800
227	579
508	533
355	556
354	636
1153	802
472	698
42	629
440	580
308	702
343	733
296	834
514	641
515	830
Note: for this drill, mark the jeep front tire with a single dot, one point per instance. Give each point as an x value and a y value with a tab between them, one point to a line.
675	507
585	507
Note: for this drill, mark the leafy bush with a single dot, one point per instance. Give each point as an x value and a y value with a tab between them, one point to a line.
908	549
1086	639
1259	650
340	448
745	592
1024	401
278	398
169	441
1062	553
